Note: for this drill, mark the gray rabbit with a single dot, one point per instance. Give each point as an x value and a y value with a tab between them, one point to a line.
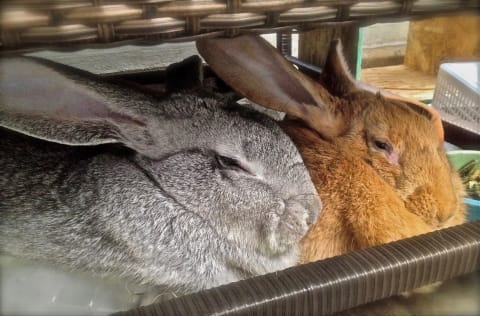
184	192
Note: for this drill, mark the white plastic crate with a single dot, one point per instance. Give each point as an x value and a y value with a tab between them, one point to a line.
31	288
457	94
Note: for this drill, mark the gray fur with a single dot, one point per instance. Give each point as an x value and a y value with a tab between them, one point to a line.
164	211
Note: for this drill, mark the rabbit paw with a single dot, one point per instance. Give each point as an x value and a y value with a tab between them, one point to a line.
285	229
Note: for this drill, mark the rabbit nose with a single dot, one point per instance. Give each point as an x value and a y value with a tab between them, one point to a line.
448	210
311	203
448	201
445	216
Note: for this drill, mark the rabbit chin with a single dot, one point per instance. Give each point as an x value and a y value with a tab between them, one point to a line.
280	261
258	264
231	273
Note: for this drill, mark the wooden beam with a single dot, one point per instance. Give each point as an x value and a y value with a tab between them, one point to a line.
313	45
439	39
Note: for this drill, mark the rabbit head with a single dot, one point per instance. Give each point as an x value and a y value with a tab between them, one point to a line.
208	193
376	159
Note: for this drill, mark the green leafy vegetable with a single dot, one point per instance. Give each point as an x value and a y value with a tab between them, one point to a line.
470	174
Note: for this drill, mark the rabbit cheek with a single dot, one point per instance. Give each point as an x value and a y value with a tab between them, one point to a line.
387	171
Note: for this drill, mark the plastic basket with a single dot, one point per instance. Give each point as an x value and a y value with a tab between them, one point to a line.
457	94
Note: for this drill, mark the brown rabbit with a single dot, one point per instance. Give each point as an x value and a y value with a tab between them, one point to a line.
377	161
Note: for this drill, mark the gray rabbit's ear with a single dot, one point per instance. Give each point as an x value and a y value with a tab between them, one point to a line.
339	81
42	102
255	69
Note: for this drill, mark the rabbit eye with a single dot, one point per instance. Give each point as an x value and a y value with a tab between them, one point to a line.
230	163
383	146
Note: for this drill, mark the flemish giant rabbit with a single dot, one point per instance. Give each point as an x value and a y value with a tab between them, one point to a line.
378	162
194	194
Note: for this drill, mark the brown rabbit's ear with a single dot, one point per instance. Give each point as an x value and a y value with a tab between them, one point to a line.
339	81
336	76
255	69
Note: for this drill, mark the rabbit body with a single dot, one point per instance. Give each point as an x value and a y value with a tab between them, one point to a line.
204	194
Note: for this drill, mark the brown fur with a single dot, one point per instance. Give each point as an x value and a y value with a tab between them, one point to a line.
367	200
